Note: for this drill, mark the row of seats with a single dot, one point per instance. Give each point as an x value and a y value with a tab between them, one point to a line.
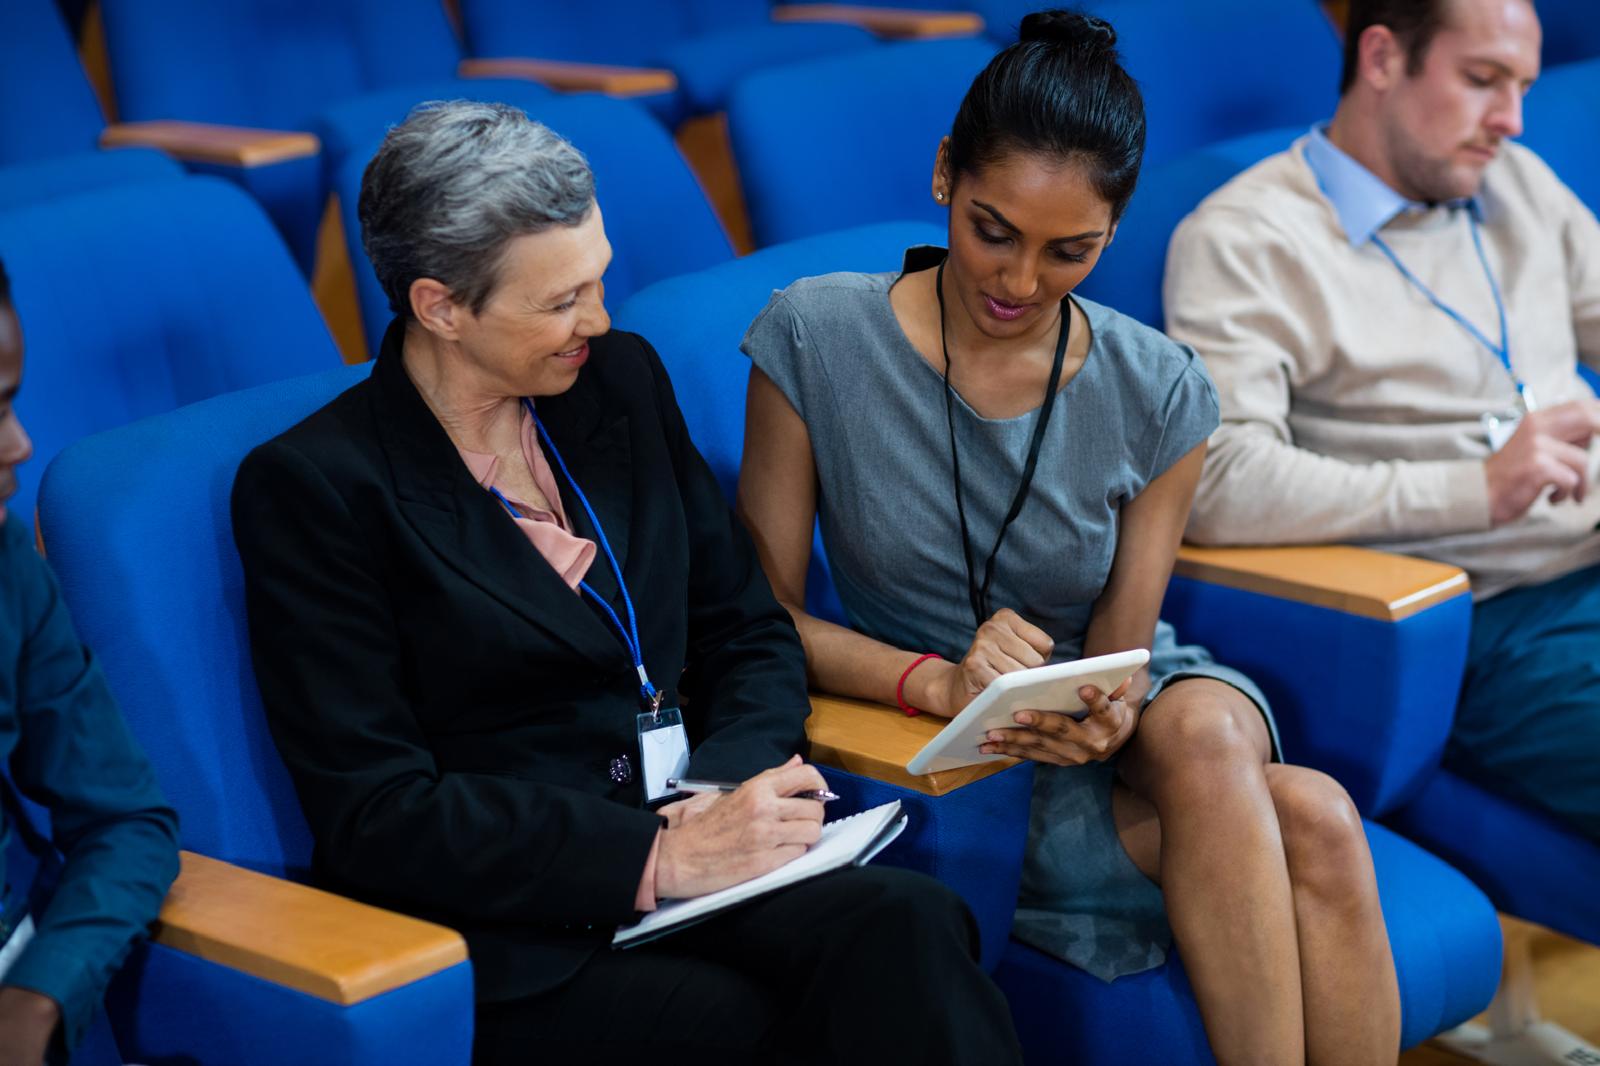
140	567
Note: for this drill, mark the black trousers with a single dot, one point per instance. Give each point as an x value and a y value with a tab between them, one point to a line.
871	965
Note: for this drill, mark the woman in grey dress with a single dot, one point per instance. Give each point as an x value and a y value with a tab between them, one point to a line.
1003	475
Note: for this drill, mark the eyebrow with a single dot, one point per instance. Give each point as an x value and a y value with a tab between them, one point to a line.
1014	228
1497	65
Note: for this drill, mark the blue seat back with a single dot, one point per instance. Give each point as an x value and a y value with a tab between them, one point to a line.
56	176
46	105
700	348
136	524
656	214
1281	65
138	299
1571	31
848	140
628	32
268	63
1128	276
1561	120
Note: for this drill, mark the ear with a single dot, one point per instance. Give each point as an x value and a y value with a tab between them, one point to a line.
943	186
1111	235
436	309
1381	58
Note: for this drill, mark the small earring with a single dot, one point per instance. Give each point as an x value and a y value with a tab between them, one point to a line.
939	196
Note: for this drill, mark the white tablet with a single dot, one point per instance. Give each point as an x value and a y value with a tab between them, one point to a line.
1043	688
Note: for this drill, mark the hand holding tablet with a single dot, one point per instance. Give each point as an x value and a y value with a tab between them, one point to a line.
1043	688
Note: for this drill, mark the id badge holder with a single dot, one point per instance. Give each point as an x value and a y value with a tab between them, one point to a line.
1500	427
663	750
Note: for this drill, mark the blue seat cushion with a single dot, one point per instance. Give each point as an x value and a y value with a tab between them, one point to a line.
1444	933
65	175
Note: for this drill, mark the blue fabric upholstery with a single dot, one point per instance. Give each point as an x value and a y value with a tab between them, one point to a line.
814	147
697	321
169	1006
971	840
1561	120
708	44
46	105
1284	72
140	298
1369	702
274	64
1571	31
1528	864
59	176
155	588
656	214
1444	934
1128	275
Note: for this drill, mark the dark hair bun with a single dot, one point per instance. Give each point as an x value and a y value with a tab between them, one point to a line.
1071	28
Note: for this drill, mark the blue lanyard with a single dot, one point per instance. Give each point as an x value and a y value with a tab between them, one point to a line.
1503	349
630	632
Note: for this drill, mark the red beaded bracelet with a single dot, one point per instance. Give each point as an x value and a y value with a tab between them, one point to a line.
900	689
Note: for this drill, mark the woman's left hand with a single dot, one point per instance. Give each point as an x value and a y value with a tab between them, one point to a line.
1054	737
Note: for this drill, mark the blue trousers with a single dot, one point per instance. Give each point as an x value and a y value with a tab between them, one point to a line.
1528	724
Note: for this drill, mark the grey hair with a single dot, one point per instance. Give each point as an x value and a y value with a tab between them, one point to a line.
452	185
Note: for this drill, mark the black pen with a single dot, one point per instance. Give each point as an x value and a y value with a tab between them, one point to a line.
685	784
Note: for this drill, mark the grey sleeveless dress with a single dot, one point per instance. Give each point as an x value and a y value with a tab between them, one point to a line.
875	412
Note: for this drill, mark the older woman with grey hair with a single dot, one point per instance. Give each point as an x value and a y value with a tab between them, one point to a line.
496	599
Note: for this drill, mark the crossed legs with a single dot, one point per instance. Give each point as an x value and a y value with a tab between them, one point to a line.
1268	883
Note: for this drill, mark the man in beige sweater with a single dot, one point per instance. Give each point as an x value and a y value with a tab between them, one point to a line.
1394	310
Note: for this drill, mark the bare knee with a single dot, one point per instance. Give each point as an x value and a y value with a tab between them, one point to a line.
1197	726
1322	834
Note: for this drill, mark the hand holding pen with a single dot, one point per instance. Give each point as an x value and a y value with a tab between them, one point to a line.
693	785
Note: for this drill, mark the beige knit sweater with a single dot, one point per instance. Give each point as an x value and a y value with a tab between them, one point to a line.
1352	406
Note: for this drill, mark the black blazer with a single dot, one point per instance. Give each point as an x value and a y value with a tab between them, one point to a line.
448	708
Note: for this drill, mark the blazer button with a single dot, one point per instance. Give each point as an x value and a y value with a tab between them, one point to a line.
621	770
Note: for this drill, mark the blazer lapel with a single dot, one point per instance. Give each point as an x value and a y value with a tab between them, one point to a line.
465	525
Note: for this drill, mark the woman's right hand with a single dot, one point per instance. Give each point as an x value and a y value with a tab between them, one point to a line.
1005	643
743	834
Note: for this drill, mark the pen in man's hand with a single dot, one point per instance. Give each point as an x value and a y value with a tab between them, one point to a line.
685	784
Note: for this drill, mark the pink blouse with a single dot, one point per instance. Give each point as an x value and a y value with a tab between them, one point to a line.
571	555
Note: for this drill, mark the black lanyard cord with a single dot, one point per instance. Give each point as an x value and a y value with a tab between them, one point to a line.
978	594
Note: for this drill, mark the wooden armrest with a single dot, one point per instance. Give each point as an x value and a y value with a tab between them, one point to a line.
300	937
877	741
575	77
200	142
1359	581
894	23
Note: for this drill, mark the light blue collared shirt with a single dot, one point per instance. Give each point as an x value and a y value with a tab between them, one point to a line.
1359	197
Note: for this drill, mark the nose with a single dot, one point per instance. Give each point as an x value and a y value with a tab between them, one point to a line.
1505	119
596	319
15	446
1020	277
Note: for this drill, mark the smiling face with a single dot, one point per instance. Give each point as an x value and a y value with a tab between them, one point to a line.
532	336
1443	125
1024	231
15	447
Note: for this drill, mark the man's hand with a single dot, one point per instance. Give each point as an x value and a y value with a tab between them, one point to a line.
1549	450
27	1020
1003	644
742	834
1054	737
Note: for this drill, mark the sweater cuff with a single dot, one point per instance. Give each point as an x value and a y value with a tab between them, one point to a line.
50	971
644	900
1466	487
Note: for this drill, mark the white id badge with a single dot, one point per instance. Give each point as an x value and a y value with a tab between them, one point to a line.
11	950
1500	427
663	751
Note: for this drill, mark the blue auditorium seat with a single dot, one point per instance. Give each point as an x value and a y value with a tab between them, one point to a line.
1561	119
848	140
1204	76
707	44
1571	31
150	574
1444	932
50	122
140	298
656	214
279	65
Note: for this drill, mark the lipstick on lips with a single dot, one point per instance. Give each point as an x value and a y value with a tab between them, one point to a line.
575	356
1003	311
